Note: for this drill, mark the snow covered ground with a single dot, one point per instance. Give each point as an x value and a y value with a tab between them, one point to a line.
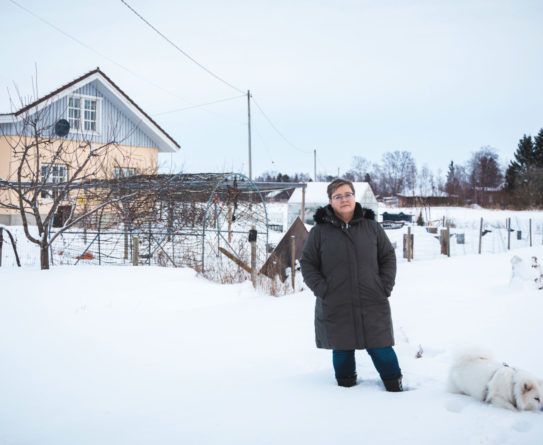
144	355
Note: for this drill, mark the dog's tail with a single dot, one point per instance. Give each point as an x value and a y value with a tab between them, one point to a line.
471	354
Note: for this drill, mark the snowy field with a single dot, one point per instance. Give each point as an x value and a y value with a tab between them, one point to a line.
125	355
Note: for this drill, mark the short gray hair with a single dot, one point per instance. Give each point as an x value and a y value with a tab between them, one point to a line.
337	183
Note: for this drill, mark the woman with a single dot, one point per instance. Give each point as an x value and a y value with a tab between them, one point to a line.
350	265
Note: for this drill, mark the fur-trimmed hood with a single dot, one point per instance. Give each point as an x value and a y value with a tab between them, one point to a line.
326	215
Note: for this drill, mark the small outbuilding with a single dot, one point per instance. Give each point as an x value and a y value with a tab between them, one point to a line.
316	196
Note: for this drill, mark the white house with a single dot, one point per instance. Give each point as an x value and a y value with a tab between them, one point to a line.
316	196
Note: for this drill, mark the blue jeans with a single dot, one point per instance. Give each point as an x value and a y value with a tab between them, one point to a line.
384	360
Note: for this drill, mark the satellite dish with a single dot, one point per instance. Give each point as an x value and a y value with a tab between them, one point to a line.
62	127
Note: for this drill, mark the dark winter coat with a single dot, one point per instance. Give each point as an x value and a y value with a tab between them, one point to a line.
351	270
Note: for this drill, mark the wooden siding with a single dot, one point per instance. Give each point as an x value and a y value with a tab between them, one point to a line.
113	123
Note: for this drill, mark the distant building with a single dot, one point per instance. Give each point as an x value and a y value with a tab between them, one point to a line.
424	196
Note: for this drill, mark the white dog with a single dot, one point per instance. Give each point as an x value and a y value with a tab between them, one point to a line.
497	383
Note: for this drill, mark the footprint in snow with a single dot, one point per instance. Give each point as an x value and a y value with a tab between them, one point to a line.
522	426
455	405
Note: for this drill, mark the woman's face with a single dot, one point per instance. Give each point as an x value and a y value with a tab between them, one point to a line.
343	207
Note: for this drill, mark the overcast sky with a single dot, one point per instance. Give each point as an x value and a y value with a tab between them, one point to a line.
348	78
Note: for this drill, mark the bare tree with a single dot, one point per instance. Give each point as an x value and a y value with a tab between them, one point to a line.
56	180
396	172
485	173
360	169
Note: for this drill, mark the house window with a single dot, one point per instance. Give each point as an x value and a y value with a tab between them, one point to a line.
74	112
123	172
53	174
83	113
89	120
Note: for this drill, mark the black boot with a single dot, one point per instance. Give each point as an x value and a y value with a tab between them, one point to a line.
347	382
393	385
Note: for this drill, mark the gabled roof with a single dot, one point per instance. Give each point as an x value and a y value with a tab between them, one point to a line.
166	142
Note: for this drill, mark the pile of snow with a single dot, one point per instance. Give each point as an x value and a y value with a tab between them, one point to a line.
158	355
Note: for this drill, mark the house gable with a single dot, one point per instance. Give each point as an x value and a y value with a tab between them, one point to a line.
118	116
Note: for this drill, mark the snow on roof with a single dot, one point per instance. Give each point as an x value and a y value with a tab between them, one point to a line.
316	192
423	192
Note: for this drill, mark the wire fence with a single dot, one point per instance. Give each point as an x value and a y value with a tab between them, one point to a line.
470	237
160	247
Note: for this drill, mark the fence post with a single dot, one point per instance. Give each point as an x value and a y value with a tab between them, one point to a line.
303	205
150	239
408	242
530	232
293	261
508	224
444	241
1	242
410	239
480	236
252	240
135	250
448	239
99	247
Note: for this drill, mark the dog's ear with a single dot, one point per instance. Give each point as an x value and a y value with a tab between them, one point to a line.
527	387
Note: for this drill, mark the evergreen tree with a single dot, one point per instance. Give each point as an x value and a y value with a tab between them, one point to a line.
524	176
511	176
525	158
525	154
538	149
451	186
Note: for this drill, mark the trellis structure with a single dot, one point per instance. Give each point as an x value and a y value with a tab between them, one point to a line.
177	220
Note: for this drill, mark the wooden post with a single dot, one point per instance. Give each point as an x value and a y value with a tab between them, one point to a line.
480	236
408	243
530	232
252	240
229	218
443	241
235	259
135	250
303	205
150	238
508	224
293	261
1	242
448	240
126	243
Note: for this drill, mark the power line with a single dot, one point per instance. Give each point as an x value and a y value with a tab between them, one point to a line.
198	106
277	130
90	48
180	50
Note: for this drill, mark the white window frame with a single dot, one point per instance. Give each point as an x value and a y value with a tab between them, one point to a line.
123	172
53	178
81	114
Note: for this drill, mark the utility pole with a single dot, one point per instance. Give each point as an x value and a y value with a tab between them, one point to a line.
315	165
249	128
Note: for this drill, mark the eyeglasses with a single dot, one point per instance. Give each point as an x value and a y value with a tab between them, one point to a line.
338	198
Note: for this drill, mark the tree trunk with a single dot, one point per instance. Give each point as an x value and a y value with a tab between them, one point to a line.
44	257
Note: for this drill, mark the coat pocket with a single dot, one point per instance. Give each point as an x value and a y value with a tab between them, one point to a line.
380	286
